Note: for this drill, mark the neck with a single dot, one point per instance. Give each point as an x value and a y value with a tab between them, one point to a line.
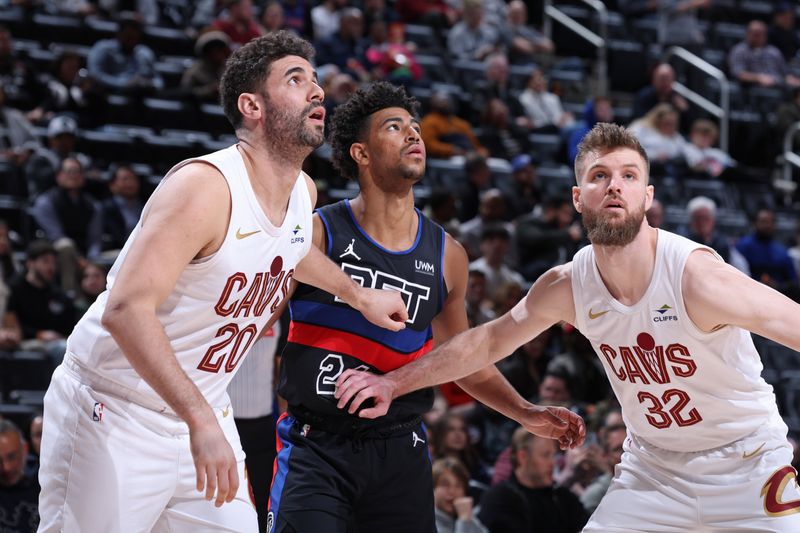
525	480
389	218
627	270
272	174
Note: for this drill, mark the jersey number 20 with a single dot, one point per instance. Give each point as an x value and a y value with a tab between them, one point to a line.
232	346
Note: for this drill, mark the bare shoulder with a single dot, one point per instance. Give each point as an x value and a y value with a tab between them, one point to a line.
456	266
706	270
454	252
318	234
192	208
312	188
197	185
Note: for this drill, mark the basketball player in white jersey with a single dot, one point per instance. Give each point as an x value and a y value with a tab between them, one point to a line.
138	431
707	449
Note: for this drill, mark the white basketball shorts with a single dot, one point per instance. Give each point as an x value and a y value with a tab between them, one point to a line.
110	465
747	485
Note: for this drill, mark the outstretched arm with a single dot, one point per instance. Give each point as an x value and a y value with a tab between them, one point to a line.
707	286
549	301
488	385
383	308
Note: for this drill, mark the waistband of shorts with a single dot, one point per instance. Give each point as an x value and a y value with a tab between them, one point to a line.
772	428
354	427
73	366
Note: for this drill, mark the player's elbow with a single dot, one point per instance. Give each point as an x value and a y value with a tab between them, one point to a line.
113	316
117	315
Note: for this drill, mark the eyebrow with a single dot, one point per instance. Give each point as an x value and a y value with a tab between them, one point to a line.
398	119
626	165
301	70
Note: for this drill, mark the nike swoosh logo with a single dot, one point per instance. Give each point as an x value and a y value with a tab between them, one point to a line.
240	235
746	455
592	315
226	412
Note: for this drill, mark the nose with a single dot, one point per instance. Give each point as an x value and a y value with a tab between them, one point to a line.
317	94
412	134
615	183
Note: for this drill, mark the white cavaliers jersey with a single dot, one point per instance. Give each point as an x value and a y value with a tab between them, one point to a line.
680	388
220	303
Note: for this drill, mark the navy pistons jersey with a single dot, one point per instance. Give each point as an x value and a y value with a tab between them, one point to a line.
327	336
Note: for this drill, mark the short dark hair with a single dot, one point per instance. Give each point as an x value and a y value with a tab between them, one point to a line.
249	66
603	138
38	248
350	121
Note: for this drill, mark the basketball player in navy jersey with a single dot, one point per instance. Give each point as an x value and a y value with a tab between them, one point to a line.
138	429
706	448
335	472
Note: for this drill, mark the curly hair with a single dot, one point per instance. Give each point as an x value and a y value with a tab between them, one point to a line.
250	65
350	120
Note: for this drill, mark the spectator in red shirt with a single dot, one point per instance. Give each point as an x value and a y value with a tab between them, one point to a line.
240	24
436	13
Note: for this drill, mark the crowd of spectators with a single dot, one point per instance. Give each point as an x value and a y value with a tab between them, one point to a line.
485	134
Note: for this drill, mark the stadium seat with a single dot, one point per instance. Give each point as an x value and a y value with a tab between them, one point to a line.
34	398
726	35
101	28
168	41
424	37
61	28
25	370
106	146
716	190
555	180
468	72
627	65
170	114
21	415
546	146
435	67
164	152
214	120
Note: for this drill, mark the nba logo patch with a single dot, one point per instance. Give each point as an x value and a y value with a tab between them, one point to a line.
304	431
97	412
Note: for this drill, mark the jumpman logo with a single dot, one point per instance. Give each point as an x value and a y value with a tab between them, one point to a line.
349	251
417	438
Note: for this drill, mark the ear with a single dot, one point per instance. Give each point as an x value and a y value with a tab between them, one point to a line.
649	195
359	153
249	106
576	198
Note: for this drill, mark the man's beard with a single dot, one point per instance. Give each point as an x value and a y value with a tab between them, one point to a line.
285	131
603	230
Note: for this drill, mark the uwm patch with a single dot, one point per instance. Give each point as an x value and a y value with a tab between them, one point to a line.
772	492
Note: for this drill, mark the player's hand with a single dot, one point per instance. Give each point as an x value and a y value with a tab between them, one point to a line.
555	423
383	308
359	386
214	462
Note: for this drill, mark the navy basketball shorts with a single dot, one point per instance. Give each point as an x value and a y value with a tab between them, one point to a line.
329	482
